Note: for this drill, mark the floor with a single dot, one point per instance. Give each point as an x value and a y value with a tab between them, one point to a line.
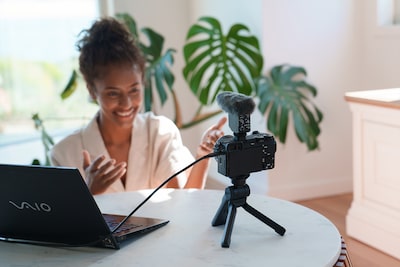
361	255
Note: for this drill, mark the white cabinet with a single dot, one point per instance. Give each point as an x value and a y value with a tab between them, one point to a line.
374	216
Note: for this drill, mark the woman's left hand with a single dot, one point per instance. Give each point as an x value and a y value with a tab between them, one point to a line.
210	136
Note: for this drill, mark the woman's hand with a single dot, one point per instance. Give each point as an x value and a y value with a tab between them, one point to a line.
209	138
101	173
197	175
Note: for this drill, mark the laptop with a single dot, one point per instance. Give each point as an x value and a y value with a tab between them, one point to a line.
53	206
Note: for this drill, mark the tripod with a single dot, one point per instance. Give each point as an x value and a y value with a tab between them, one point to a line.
235	196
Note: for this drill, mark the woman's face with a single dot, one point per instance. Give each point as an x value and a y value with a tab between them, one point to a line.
119	92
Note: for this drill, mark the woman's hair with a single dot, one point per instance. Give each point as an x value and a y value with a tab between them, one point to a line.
108	42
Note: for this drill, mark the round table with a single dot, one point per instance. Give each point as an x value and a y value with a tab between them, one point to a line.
189	239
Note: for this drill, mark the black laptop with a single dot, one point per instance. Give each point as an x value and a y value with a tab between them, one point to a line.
53	206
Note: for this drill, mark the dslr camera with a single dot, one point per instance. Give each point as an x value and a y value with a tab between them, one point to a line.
241	154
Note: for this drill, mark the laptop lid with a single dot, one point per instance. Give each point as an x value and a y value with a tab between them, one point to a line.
41	204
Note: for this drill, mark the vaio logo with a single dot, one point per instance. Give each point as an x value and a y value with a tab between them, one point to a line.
39	207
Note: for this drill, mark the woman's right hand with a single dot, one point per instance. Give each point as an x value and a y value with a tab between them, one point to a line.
101	173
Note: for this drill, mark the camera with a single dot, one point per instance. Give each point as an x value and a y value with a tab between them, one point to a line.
237	157
256	152
241	154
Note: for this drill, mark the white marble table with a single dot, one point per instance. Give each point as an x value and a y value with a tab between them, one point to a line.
190	240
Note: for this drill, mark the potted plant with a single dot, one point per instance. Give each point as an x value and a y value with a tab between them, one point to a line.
215	62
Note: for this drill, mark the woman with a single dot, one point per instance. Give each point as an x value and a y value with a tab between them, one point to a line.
122	149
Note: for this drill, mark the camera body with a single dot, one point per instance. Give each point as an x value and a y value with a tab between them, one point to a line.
241	156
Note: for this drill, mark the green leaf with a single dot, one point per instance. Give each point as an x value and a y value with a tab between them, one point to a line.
129	22
289	96
215	62
148	94
283	123
156	42
71	85
197	29
35	162
273	119
160	85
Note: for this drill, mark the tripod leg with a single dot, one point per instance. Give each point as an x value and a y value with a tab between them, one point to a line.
278	229
222	212
226	238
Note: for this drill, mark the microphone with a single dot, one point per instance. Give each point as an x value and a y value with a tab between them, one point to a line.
235	103
239	107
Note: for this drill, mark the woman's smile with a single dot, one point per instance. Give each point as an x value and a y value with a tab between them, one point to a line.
127	114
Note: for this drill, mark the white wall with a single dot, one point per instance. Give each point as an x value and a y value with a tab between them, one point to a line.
343	49
323	37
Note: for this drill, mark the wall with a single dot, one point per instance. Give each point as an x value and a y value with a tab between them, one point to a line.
323	37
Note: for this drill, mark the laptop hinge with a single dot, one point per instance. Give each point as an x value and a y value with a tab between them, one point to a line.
109	241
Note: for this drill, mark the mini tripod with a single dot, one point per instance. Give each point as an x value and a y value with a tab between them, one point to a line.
235	196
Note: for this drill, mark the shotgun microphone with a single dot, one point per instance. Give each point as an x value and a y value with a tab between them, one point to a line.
235	103
239	107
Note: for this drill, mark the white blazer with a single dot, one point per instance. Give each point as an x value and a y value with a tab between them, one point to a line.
155	154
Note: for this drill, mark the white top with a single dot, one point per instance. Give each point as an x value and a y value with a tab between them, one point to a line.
155	154
388	98
189	239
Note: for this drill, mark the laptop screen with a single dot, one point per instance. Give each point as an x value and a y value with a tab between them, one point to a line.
49	204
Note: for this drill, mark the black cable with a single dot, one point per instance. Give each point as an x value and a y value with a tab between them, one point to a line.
214	154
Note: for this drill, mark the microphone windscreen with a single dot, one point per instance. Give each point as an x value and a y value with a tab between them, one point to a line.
235	103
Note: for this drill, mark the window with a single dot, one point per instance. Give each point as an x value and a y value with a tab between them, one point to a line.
37	56
388	12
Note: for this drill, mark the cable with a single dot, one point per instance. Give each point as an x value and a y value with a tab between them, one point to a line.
214	154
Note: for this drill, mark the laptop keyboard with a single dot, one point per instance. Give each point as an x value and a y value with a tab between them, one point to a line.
113	221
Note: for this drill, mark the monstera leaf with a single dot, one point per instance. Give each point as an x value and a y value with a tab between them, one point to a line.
216	62
285	93
158	72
